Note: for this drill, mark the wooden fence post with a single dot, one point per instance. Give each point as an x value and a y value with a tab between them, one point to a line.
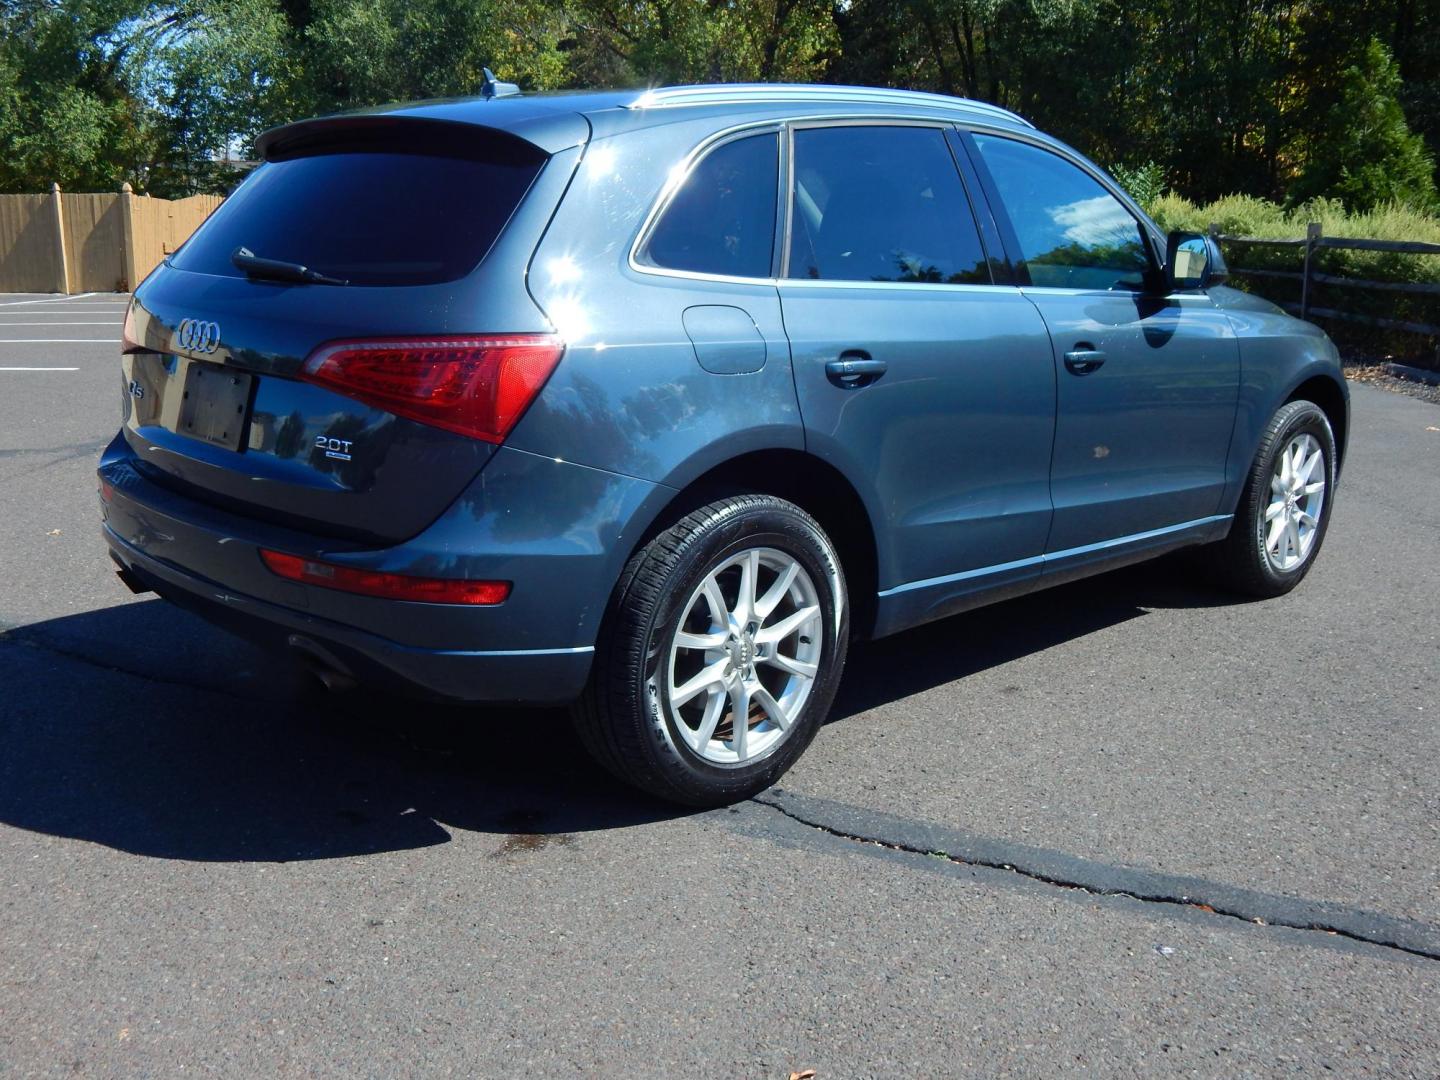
64	262
129	257
1312	235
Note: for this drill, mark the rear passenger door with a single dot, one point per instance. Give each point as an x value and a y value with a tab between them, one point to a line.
921	378
1147	382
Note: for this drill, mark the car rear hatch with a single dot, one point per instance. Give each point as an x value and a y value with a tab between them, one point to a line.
394	245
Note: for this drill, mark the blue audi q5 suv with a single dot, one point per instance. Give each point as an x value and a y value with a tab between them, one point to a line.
650	402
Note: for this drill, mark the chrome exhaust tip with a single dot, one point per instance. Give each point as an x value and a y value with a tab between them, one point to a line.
324	665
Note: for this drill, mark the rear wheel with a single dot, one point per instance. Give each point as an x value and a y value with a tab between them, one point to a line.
1284	509
721	653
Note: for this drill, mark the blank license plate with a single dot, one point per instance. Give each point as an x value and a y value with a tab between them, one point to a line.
215	404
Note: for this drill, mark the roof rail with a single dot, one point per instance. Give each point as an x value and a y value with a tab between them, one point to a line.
757	93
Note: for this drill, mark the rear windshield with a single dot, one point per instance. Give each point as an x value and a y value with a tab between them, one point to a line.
366	217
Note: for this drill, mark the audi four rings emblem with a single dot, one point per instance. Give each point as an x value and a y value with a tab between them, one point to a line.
195	335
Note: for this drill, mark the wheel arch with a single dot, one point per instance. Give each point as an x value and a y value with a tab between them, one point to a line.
1330	396
810	483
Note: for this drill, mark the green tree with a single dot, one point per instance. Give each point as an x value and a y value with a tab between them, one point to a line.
681	41
65	115
368	52
215	73
1364	153
1190	85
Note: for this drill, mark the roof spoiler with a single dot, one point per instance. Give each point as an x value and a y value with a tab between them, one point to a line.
358	132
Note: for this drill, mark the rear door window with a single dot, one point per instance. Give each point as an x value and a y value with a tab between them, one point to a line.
370	218
722	219
874	203
1072	232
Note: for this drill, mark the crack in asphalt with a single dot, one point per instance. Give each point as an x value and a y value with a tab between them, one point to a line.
1065	871
66	454
71	450
1056	869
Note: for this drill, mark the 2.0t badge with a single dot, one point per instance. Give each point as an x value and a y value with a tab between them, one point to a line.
339	449
197	336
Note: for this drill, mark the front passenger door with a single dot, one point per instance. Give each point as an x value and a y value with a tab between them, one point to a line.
1147	384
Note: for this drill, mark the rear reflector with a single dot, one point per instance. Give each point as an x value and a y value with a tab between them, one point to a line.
378	583
475	386
128	343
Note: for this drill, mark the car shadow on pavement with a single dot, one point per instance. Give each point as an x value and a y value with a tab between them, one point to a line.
141	728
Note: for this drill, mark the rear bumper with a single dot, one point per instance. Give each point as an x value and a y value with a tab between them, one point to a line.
561	533
533	676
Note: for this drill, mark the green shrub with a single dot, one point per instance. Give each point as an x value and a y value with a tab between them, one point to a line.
1244	215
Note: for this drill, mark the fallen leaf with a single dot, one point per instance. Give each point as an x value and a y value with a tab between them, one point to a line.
1206	907
53	532
804	1074
1432	428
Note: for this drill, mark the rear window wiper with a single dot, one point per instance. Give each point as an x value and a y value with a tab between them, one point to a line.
279	270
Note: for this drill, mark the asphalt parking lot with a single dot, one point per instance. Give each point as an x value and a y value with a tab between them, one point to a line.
1127	827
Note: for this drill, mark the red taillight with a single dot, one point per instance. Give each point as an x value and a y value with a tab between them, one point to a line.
379	583
476	386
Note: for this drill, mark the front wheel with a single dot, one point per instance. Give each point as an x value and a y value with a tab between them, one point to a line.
721	653
1285	507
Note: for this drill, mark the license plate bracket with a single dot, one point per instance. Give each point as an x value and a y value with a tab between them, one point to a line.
215	405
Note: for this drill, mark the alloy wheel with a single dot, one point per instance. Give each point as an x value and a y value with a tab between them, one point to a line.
1297	501
744	657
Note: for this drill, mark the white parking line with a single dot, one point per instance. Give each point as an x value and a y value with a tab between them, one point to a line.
51	300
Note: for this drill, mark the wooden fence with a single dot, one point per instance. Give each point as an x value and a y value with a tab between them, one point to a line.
1308	276
91	242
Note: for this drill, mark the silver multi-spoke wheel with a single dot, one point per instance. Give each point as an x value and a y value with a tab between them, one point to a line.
724	647
1297	501
744	656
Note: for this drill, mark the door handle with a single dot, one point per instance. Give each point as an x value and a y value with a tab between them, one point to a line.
1083	359
853	370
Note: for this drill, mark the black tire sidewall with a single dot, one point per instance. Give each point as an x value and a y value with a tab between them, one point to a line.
772	524
1300	417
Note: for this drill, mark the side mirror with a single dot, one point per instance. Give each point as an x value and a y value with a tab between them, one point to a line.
1193	261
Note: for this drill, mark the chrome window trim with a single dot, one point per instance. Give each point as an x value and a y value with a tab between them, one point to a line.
1198	298
928	286
786	126
679	174
808	122
1064	153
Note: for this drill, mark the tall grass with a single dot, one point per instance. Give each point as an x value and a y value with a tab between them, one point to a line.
1245	215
